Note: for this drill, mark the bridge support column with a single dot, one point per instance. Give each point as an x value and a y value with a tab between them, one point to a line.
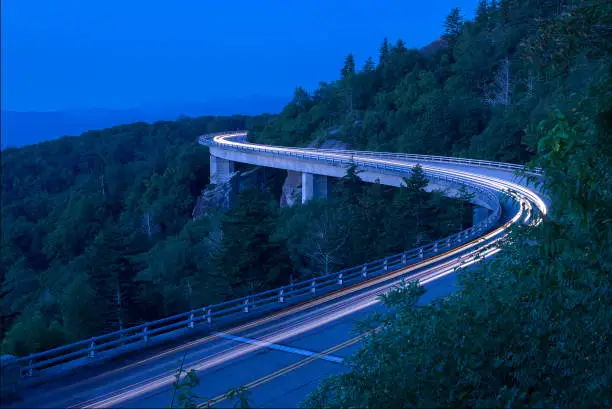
480	214
220	169
313	187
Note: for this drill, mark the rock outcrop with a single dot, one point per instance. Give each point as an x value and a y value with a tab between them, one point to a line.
215	197
221	195
292	188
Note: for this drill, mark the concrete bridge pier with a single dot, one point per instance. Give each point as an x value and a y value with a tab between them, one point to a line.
221	170
314	187
480	214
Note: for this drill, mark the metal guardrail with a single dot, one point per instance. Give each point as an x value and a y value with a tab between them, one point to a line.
99	347
207	140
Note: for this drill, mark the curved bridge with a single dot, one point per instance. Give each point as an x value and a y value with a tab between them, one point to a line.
388	168
273	320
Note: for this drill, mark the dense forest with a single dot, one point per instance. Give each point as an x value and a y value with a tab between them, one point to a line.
97	230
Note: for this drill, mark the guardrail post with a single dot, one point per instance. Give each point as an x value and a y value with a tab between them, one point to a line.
190	325
448	242
30	369
92	348
364	271
209	315
420	252
246	305
385	264
281	295
404	258
340	279
145	333
435	247
313	286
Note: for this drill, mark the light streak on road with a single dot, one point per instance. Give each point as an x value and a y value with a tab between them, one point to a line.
347	307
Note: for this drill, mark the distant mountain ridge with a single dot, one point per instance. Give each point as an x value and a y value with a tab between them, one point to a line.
27	128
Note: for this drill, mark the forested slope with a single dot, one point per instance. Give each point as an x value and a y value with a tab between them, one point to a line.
532	327
479	92
97	231
79	213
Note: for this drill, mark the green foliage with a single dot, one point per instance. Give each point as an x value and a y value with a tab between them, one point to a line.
183	396
439	101
249	259
241	397
348	70
453	26
364	221
532	327
77	257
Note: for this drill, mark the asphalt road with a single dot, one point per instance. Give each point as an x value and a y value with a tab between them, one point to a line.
279	377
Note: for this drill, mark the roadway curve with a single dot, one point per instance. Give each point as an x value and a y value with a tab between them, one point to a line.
273	355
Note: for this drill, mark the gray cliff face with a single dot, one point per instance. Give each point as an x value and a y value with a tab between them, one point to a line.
216	197
292	188
221	196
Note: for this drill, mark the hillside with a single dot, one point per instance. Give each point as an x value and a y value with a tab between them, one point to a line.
98	232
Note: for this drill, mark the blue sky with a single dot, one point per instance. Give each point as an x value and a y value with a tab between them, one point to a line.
61	54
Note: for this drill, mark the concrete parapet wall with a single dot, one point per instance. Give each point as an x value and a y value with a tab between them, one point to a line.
327	169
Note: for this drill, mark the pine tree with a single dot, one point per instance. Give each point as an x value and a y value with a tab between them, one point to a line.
248	259
111	275
453	26
301	98
502	85
349	188
348	70
400	46
369	66
464	205
415	189
482	14
384	51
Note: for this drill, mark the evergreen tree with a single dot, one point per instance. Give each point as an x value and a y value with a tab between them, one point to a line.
400	46
415	190
301	99
249	259
482	14
369	235
369	65
111	273
493	13
349	188
384	51
465	209
453	26
348	70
